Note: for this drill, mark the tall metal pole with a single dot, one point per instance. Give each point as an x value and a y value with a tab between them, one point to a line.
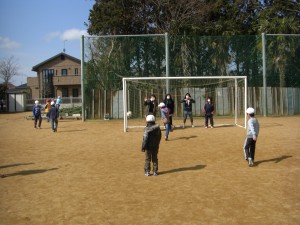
82	78
264	74
167	62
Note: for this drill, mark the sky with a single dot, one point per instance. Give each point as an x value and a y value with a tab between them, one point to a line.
33	31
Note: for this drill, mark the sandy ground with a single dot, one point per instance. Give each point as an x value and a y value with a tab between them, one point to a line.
92	173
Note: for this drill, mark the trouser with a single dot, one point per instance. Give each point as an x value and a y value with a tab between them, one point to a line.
168	129
37	121
211	120
54	124
171	120
151	156
249	148
186	113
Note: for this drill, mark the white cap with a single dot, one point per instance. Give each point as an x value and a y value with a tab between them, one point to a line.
36	102
250	110
150	118
161	104
52	103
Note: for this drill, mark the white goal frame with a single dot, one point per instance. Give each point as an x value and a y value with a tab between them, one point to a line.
125	79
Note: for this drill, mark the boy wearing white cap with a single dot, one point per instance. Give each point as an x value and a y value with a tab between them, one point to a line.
252	134
37	114
150	145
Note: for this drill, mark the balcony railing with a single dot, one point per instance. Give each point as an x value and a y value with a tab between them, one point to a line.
67	80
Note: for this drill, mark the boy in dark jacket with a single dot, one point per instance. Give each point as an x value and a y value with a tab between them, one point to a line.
53	115
209	112
150	145
37	114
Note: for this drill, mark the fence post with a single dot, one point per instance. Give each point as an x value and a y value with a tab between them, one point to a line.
264	74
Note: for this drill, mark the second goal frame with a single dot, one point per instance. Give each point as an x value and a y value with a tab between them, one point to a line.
235	78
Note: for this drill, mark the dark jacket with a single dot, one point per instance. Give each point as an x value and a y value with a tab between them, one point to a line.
209	109
188	106
150	107
170	105
151	138
53	112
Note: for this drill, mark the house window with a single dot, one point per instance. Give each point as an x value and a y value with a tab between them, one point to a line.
47	83
64	72
75	92
76	71
64	92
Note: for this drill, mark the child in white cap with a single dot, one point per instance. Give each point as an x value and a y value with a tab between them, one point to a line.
166	118
252	134
150	145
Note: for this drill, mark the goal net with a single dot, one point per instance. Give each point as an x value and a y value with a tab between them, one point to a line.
228	94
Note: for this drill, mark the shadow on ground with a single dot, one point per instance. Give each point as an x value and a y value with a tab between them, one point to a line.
275	160
197	167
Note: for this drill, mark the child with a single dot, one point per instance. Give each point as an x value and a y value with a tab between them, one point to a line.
165	117
170	105
58	102
150	145
37	114
53	115
187	108
47	108
151	105
252	134
209	112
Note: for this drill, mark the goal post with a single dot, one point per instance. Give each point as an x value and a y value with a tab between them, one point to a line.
229	94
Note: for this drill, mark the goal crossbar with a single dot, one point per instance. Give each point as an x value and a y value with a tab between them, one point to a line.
235	78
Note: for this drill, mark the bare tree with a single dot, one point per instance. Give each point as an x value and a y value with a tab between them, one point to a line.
8	69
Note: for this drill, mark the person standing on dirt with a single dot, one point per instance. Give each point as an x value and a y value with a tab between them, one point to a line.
169	102
53	115
187	108
47	108
251	138
165	118
37	114
151	105
209	113
150	145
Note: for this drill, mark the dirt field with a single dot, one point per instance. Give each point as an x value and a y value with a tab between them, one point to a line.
92	174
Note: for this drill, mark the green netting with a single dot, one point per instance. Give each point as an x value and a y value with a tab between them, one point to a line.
109	58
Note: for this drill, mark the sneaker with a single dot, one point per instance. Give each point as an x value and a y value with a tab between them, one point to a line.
166	138
205	126
147	174
183	126
211	126
193	126
250	162
155	173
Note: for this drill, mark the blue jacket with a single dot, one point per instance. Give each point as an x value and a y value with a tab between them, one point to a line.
37	110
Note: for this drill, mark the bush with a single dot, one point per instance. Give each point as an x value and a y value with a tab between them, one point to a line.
74	110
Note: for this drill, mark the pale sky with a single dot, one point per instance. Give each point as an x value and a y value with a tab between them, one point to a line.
33	31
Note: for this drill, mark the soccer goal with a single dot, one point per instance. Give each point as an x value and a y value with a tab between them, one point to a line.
228	94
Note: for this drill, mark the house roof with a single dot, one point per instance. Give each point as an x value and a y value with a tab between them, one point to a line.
19	89
34	68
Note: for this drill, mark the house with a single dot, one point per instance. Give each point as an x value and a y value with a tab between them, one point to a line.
17	98
59	75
